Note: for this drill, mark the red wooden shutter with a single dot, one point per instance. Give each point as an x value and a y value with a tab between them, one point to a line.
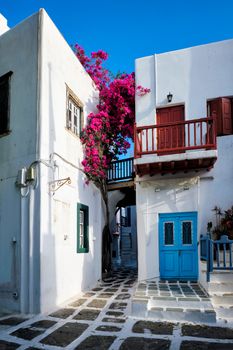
216	112
220	108
226	116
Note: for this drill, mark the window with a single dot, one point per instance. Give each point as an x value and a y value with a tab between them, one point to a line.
221	109
5	103
187	232
82	228
168	233
74	114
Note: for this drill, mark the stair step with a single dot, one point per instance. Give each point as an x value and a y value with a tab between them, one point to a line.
143	308
220	276
224	299
224	313
217	288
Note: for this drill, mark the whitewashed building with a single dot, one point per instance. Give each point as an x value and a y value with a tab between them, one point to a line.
50	220
183	170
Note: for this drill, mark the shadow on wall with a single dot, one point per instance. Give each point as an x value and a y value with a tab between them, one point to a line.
48	255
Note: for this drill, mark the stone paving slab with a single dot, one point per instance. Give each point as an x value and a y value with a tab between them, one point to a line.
108	328
113	320
12	321
5	345
97	303
87	315
207	332
27	333
62	313
95	342
78	302
153	327
144	344
65	335
197	345
43	324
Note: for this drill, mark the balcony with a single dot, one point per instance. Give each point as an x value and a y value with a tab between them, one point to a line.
121	174
174	147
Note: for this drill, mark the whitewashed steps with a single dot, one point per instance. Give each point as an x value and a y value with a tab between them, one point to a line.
170	310
220	289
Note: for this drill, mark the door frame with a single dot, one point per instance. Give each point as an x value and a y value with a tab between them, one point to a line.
192	215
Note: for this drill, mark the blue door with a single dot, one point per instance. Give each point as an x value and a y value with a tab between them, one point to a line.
178	255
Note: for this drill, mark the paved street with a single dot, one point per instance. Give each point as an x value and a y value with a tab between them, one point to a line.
99	320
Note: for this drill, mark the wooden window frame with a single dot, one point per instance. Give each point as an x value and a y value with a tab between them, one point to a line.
85	209
77	103
5	85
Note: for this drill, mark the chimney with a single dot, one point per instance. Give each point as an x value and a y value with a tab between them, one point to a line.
3	24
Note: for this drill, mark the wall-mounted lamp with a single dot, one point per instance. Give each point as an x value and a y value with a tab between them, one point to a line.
169	97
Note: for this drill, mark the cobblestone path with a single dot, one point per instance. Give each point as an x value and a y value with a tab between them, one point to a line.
99	320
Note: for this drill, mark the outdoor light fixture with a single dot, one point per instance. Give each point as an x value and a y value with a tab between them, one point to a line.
169	97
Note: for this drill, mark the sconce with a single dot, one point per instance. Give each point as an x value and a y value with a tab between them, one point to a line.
169	97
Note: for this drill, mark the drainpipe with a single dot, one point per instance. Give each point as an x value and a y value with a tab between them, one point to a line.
24	291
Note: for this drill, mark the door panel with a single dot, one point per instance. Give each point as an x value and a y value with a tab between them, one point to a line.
172	136
178	246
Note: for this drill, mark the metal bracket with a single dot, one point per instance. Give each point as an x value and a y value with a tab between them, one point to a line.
56	184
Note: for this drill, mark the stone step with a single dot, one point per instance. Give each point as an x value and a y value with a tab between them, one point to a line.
192	312
225	313
219	288
183	303
223	300
220	276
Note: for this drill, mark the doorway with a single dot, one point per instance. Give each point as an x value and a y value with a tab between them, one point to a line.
178	246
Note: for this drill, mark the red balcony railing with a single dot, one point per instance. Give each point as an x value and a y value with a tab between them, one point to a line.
175	137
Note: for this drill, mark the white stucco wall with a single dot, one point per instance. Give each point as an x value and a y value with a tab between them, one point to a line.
193	76
64	272
18	48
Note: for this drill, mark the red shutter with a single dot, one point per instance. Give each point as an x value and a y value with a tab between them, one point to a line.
226	116
216	112
220	108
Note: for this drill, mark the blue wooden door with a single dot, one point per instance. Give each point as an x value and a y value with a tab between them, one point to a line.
178	246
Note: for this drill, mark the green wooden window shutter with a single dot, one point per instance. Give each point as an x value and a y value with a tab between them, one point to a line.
82	228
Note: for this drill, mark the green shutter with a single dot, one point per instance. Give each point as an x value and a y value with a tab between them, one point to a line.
85	209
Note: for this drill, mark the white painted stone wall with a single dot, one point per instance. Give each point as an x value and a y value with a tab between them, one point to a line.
18	48
193	76
49	270
64	272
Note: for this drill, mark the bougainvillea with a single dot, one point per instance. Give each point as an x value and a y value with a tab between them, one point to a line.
109	130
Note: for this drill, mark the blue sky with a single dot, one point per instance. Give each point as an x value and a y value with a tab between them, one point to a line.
128	29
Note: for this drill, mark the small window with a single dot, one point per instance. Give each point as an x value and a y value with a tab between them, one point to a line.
5	103
82	228
74	114
168	233
187	232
